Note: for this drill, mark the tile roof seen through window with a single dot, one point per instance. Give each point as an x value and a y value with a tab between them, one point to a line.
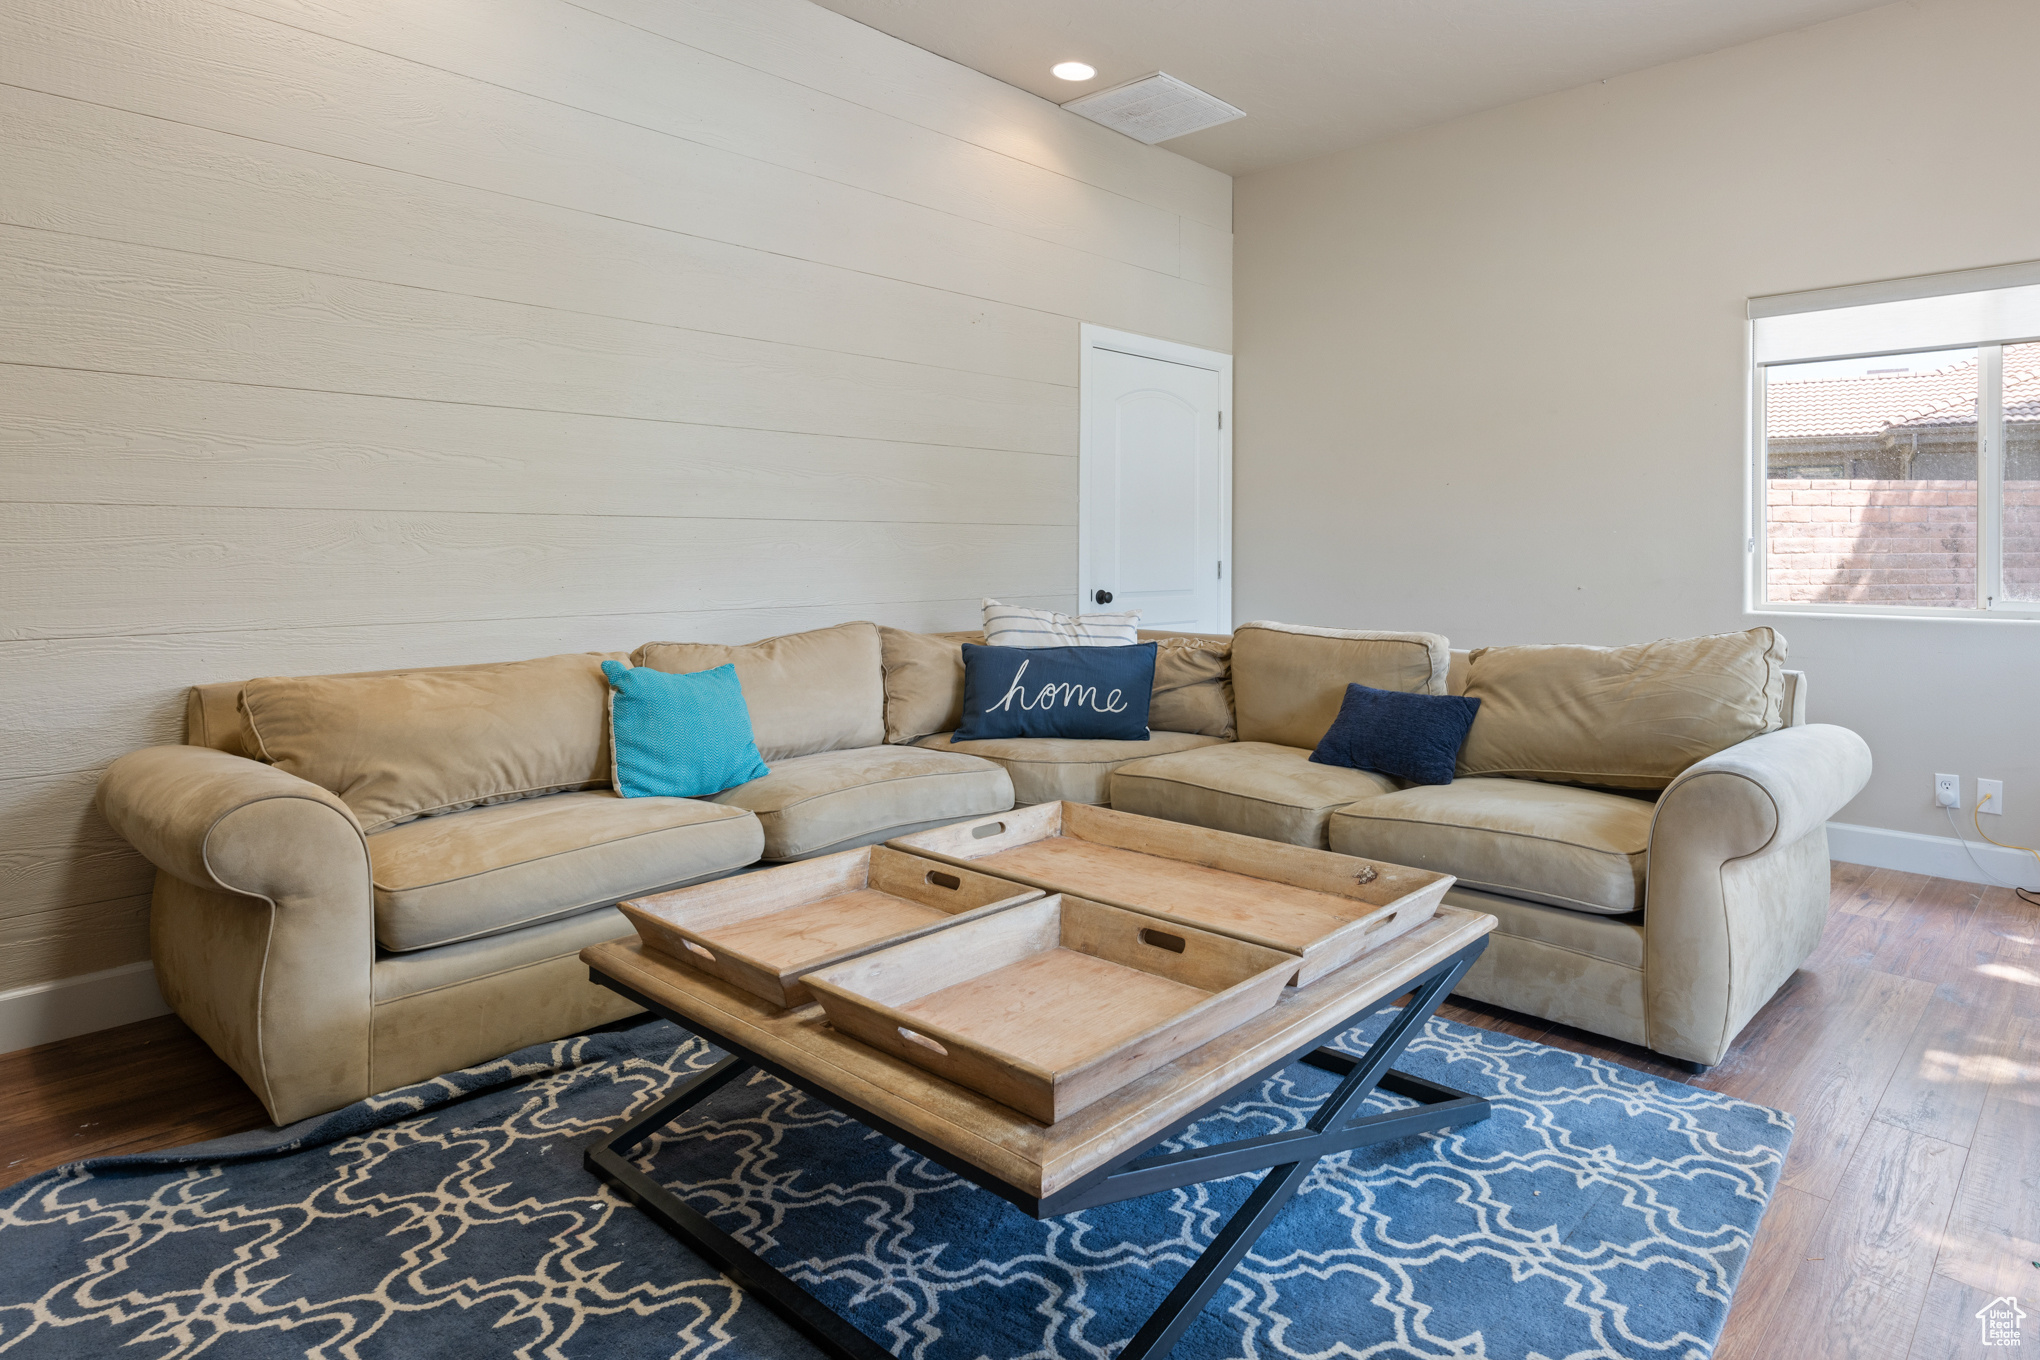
1882	402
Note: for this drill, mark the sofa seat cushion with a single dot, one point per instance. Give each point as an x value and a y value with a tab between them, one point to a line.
1569	847
1061	770
468	874
838	800
1253	787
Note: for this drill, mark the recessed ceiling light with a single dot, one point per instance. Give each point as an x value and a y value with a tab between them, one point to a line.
1072	70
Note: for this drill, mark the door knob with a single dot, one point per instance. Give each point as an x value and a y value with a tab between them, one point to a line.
1102	596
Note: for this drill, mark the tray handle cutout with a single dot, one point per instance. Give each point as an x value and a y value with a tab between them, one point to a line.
985	830
942	880
702	950
916	1037
1162	939
1384	921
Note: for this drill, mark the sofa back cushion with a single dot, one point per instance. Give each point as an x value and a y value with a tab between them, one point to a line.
212	717
1288	680
924	683
1193	684
1621	717
807	692
394	745
1456	669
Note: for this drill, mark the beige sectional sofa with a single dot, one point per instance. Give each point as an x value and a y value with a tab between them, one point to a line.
1665	914
366	880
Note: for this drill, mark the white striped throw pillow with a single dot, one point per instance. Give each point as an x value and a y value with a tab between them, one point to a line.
1008	625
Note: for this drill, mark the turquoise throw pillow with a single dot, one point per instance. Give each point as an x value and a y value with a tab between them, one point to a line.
679	736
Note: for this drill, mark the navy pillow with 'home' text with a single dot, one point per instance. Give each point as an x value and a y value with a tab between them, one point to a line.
1093	693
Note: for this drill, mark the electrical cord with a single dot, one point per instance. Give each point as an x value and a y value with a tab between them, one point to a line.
2026	895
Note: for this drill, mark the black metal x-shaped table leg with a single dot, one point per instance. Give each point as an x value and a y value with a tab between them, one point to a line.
1286	1157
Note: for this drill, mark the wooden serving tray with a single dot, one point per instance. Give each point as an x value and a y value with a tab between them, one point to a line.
1327	908
1052	1004
1040	1159
762	930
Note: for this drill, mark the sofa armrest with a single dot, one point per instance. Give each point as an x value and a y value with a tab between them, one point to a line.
1784	784
202	816
1736	886
263	922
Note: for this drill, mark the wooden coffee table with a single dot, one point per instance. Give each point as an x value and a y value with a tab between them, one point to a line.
1100	1154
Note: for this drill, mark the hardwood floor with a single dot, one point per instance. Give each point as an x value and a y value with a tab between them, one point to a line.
1908	1048
132	1089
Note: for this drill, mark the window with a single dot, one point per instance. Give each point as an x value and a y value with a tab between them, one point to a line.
1897	439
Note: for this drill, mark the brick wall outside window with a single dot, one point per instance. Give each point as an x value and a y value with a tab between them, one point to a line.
1863	541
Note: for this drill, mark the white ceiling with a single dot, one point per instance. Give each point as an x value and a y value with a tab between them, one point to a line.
1317	76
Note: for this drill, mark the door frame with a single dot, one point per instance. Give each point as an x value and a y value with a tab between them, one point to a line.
1095	338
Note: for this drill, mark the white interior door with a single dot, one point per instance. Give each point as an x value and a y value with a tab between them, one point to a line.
1155	518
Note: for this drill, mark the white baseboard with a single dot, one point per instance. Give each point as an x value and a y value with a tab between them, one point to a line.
49	1011
1936	856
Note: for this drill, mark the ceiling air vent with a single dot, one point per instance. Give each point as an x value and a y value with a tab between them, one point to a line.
1154	108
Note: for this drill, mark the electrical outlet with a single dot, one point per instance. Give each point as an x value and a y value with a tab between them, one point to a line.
1948	790
1990	797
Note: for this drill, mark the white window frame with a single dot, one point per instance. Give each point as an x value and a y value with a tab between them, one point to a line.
1984	309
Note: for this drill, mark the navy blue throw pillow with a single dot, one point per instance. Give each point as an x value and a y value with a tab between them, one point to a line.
1411	736
1094	693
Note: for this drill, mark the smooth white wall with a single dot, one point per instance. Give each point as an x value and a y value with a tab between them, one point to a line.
1491	375
345	335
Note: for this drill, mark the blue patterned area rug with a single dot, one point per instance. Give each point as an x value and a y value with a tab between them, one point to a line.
1600	1212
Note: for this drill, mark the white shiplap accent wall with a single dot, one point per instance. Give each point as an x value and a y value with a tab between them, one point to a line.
345	334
